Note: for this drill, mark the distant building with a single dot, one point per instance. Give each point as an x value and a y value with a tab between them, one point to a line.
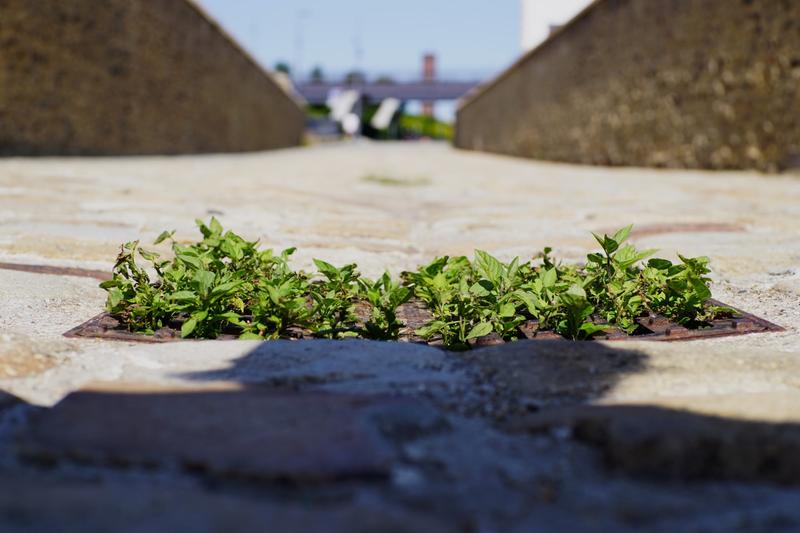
529	25
540	18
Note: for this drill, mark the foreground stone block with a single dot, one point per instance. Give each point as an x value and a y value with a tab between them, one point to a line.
8	400
684	84
679	445
251	433
132	77
20	357
528	375
32	504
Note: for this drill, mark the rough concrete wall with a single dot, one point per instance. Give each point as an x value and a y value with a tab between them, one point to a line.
678	83
132	77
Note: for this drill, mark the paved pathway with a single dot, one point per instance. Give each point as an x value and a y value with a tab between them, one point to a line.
508	434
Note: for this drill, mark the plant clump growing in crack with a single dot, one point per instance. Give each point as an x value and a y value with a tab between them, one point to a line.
224	284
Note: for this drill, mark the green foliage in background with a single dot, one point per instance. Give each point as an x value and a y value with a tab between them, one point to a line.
422	126
396	181
224	283
318	111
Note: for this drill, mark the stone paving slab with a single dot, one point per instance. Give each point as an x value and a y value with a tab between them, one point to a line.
779	406
20	357
248	433
462	471
361	366
551	373
32	504
317	199
41	307
8	400
668	444
721	379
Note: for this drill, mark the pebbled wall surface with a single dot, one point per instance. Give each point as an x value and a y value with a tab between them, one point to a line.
681	83
125	77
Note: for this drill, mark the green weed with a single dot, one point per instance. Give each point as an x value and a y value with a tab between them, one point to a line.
224	284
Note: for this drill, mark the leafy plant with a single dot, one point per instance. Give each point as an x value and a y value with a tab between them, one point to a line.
613	281
279	304
681	291
443	285
468	299
384	296
226	284
335	300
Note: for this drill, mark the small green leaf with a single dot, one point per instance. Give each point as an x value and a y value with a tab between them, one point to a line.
204	280
479	289
596	258
115	296
622	235
164	236
659	264
576	291
189	257
188	327
549	278
488	266
327	269
182	296
224	288
701	289
149	256
590	329
529	299
507	310
215	226
431	329
480	330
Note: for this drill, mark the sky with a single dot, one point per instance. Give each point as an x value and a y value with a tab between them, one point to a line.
472	39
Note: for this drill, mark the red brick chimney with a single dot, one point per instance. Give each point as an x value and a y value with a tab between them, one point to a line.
429	67
428	76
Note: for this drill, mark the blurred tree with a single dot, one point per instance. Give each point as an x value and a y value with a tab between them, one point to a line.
317	75
282	66
354	77
384	80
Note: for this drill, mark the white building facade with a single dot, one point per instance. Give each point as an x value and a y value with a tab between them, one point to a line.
537	16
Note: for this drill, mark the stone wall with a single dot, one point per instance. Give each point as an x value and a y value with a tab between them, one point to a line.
679	83
103	77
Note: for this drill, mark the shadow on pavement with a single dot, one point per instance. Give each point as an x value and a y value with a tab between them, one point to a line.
514	377
369	436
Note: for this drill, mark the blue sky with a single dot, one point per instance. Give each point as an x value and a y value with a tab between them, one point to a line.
472	38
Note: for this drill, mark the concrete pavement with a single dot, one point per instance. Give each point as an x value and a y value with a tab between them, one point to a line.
434	200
